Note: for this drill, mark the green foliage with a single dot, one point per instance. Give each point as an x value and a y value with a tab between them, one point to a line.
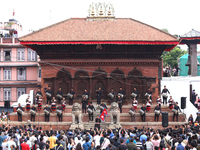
170	58
166	30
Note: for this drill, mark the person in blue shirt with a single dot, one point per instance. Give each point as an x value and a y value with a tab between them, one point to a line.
131	137
143	137
180	146
1	139
87	144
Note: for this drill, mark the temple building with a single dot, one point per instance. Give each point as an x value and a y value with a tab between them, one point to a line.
100	51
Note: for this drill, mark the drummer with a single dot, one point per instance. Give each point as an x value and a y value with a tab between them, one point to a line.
171	103
157	108
90	106
165	91
134	103
148	104
143	108
159	101
134	110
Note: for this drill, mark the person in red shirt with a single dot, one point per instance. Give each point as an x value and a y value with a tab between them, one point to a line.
25	146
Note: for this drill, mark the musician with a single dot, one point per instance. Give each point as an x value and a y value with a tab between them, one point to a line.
37	97
49	110
148	105
134	103
61	115
63	104
134	110
149	92
119	101
144	115
49	98
84	105
136	92
103	105
53	105
60	93
28	104
19	115
97	122
112	99
86	93
40	104
158	108
33	116
176	107
90	106
71	99
165	90
159	100
99	95
171	102
122	92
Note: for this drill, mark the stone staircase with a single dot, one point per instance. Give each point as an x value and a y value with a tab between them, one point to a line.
125	119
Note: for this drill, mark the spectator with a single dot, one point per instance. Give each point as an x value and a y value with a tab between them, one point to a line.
122	146
131	145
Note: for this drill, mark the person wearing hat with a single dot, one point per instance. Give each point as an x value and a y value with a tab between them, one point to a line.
60	116
71	99
176	107
37	97
19	114
157	108
149	92
60	93
97	122
86	93
112	98
53	105
93	109
84	105
165	91
99	95
49	110
33	116
121	91
50	92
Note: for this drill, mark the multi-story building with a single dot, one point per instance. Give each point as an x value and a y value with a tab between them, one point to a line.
19	70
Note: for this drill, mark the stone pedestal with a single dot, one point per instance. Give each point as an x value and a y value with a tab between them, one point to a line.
193	59
74	126
113	126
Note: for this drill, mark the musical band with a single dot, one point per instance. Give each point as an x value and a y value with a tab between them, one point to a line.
88	106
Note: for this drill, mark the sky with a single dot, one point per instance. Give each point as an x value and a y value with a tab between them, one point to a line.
178	16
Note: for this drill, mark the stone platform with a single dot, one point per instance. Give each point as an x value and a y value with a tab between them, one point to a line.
125	119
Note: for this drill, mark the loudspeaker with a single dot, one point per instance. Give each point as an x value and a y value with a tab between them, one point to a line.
7	104
183	102
165	119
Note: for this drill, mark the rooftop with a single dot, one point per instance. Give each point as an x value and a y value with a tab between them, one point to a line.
82	29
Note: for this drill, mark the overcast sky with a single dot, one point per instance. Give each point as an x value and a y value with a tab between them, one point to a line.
178	16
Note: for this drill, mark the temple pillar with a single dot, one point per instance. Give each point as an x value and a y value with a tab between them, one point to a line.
193	59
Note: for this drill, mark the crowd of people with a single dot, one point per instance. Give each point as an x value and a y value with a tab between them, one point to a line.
184	137
168	71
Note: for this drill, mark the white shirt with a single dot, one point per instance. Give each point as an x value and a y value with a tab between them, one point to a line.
105	143
11	143
45	138
97	140
4	146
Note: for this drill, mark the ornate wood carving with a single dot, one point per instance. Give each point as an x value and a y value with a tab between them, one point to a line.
135	73
81	86
63	74
65	87
99	73
117	73
81	74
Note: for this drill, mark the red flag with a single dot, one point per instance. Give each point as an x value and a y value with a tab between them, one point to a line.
102	116
105	111
13	12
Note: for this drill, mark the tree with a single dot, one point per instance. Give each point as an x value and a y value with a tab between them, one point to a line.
170	58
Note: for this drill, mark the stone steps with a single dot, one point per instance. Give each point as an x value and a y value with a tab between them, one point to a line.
66	125
124	117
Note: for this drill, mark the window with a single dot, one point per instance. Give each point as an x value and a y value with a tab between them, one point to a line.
7	73
7	94
7	55
21	73
20	54
31	55
39	71
20	91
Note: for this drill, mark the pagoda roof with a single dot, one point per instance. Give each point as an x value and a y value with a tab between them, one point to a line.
192	36
85	31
